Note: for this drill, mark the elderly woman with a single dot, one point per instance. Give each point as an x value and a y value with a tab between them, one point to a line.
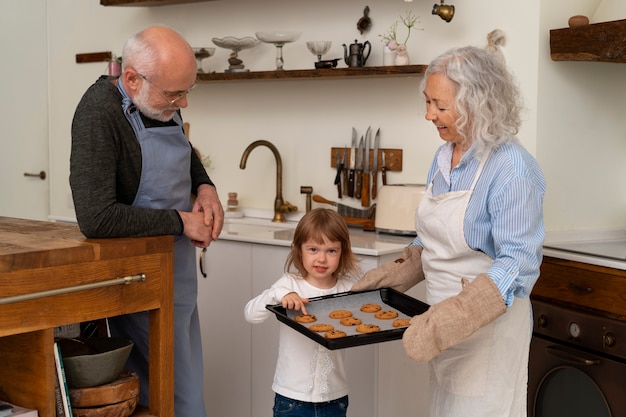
478	244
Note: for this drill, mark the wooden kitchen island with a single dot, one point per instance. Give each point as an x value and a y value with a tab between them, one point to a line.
51	275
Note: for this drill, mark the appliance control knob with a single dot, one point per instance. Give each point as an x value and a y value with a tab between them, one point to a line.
574	330
542	321
609	339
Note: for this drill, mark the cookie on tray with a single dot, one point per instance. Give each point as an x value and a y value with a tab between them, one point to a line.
371	307
350	321
401	322
339	314
321	327
335	334
386	314
305	318
367	328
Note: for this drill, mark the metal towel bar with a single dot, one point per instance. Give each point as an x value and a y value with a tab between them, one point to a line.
116	281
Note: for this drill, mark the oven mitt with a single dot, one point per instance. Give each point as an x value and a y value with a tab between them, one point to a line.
454	319
401	274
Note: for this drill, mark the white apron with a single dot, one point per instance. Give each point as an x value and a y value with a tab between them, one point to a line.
486	374
165	183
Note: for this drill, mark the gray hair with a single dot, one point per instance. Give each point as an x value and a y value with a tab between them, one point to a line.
139	53
487	98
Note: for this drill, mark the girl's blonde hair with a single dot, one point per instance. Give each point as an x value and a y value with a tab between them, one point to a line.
316	225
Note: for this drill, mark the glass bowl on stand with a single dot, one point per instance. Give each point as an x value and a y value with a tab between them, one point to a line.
279	39
236	45
201	54
320	48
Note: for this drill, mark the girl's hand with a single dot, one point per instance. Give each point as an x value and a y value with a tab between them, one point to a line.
293	301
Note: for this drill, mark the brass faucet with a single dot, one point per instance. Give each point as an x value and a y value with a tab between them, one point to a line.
280	206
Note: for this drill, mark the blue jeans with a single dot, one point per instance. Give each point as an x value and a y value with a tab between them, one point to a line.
286	407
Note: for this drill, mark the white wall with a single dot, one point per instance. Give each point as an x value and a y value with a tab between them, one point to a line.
581	132
573	111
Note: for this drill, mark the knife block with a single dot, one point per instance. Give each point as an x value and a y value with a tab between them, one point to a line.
393	158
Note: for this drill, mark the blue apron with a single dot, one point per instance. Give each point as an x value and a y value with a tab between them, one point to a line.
166	184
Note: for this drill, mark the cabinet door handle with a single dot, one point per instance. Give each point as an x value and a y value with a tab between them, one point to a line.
201	262
41	175
580	289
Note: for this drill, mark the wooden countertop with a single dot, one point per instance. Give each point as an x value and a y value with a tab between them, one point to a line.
28	244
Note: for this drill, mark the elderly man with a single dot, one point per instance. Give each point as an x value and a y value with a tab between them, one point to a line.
133	173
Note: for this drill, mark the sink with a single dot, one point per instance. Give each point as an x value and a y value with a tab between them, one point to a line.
259	228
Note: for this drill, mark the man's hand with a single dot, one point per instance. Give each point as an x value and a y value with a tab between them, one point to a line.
195	228
208	203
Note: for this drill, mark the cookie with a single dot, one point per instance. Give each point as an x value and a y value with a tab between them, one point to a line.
305	318
340	314
386	314
370	308
321	327
335	334
350	321
401	322
367	328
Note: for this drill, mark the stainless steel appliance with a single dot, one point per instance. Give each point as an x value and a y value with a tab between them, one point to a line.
577	364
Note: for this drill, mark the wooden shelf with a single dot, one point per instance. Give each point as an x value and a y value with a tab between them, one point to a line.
362	72
146	2
603	42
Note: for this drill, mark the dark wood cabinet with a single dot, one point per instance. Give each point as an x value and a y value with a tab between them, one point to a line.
596	289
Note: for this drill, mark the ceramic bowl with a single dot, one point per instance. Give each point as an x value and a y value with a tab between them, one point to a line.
279	37
95	361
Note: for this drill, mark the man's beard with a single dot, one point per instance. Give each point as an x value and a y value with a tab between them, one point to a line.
141	101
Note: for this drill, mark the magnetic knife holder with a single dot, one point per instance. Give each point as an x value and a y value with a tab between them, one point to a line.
393	158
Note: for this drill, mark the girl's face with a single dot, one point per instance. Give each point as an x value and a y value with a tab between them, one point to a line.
439	94
321	261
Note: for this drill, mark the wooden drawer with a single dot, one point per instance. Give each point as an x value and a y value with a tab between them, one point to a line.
598	289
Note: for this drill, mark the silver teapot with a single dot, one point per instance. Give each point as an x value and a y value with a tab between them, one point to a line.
359	52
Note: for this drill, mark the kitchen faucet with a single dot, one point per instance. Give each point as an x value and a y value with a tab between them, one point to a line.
280	206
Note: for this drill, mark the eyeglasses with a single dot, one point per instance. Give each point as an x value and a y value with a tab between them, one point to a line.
170	97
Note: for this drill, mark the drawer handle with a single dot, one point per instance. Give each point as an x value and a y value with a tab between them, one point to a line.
580	290
49	293
571	357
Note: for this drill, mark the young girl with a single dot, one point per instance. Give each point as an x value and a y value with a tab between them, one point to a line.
310	380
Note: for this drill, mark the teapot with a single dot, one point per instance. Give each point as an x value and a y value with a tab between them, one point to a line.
359	52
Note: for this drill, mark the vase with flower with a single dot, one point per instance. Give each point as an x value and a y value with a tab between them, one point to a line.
395	52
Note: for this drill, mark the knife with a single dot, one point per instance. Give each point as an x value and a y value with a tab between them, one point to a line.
358	174
365	188
375	165
383	170
338	176
350	190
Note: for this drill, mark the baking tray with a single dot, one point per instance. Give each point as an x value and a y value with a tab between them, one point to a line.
388	298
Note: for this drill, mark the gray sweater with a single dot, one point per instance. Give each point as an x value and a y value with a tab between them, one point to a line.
105	169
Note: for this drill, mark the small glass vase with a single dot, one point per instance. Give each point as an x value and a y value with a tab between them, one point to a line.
389	56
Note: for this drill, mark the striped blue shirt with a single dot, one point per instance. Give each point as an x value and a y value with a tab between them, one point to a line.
504	217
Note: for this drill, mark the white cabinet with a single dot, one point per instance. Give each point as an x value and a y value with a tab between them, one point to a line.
226	336
238	354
